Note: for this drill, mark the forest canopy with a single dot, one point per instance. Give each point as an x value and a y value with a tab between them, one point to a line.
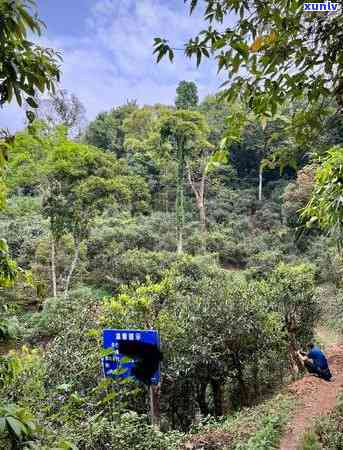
216	221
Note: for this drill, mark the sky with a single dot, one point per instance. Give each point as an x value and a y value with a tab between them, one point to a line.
107	48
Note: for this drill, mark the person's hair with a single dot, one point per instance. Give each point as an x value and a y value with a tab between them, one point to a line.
311	345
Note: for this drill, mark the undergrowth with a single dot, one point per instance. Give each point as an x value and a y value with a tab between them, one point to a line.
255	428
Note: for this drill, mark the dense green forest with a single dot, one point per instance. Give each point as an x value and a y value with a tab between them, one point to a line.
215	225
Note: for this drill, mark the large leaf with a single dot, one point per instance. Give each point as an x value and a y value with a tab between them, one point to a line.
18	429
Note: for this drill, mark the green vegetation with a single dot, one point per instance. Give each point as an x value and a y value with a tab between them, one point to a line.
251	428
92	239
327	432
280	47
309	442
211	221
25	67
325	204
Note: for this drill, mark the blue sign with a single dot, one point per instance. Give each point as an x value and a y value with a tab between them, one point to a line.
117	365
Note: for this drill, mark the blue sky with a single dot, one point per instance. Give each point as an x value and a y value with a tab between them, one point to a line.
107	52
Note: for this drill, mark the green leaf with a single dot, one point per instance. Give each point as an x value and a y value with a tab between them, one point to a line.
199	56
30	116
2	425
171	55
106	352
109	397
17	427
32	102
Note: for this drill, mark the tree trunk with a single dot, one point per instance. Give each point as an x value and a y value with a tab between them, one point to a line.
72	267
202	213
295	364
256	381
199	192
166	194
53	266
260	183
201	398
155	412
179	199
179	242
217	390
240	378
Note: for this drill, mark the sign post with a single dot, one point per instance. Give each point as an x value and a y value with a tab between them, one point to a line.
155	391
140	348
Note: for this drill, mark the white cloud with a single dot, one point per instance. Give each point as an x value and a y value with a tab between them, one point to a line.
114	63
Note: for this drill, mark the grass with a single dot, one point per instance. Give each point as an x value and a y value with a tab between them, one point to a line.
327	336
256	428
309	442
267	424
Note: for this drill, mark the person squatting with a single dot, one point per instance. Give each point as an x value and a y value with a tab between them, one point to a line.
315	362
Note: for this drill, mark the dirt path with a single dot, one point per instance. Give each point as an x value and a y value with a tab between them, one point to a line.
317	397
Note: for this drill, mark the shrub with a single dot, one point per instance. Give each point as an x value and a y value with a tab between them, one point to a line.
294	298
329	430
9	328
266	217
212	322
328	263
51	320
296	196
229	250
136	265
16	425
264	262
133	433
72	357
22	376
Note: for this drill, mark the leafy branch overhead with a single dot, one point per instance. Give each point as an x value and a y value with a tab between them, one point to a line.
25	67
271	53
325	208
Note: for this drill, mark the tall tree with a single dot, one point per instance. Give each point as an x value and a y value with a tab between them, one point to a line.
187	95
183	129
199	165
145	151
62	108
81	182
106	131
271	144
216	111
285	51
76	181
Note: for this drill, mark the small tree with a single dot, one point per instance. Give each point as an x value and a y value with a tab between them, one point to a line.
269	140
294	299
76	181
183	129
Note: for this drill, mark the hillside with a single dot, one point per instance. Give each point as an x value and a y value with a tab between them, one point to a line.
96	244
203	232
